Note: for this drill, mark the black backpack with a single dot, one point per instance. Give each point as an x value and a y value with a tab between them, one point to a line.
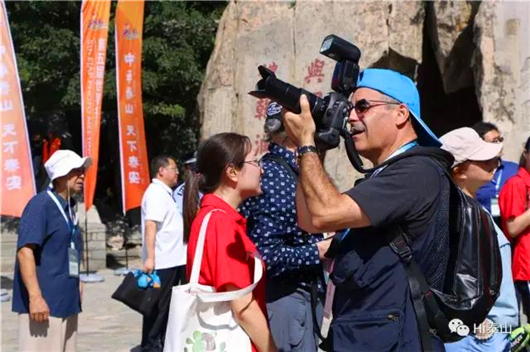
474	271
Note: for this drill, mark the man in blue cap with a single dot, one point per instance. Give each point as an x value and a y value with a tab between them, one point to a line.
372	308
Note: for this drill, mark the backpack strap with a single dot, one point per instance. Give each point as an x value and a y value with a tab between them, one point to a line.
279	160
421	293
399	245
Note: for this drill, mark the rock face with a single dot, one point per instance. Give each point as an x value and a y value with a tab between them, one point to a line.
476	47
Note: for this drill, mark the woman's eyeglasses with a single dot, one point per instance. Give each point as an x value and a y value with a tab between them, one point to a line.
364	105
255	162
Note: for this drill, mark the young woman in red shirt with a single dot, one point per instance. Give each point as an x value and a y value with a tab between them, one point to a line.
514	202
227	174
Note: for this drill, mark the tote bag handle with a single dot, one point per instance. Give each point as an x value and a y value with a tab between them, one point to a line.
197	261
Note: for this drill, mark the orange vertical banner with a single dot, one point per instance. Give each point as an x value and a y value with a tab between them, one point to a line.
16	168
94	32
133	152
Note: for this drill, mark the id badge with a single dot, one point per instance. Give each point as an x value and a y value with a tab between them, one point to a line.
495	209
73	262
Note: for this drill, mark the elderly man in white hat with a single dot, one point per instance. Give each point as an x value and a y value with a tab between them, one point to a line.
46	287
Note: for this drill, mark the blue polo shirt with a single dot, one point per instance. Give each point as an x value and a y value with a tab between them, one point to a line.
42	224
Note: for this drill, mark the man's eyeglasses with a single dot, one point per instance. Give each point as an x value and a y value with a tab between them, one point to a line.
364	105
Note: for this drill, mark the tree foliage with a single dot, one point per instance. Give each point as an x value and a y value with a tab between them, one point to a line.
178	39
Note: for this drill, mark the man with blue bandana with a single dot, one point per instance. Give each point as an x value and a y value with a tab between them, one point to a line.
372	308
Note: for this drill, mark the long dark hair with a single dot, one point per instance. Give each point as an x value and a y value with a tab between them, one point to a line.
213	156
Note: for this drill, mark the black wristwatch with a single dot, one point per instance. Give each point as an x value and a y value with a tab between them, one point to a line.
306	149
303	150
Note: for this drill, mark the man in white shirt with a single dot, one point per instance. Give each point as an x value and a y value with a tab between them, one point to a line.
163	248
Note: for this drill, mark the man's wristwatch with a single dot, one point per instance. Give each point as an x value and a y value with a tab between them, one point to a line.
305	149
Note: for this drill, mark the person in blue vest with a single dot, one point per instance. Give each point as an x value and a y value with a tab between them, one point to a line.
373	308
488	195
47	292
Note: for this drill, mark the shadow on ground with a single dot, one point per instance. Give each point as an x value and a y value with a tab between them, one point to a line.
6	283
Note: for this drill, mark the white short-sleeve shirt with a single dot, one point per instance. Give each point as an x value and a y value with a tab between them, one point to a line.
158	206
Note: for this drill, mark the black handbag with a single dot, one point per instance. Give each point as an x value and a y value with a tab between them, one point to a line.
139	299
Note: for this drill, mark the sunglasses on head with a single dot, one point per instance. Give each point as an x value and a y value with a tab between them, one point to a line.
363	105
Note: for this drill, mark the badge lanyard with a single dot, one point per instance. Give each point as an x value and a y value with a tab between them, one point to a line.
401	150
498	183
70	224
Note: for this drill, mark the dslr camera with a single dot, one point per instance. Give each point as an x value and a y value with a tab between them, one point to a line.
330	112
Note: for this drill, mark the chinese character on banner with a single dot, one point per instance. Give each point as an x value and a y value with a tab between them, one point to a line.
132	146
130	130
134	177
315	71
8	129
13	182
133	162
129	59
11	165
9	147
4	88
6	105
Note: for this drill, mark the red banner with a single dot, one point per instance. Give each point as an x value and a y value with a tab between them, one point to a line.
94	32
133	152
16	168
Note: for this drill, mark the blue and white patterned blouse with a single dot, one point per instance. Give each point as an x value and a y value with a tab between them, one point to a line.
290	253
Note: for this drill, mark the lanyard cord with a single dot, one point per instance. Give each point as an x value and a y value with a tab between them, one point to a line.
401	150
70	224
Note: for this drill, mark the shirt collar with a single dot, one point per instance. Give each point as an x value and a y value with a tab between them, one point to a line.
214	201
166	187
284	153
61	200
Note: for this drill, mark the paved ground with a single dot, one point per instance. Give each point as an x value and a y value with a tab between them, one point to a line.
104	325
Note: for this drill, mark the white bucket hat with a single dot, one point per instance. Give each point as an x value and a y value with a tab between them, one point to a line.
465	144
63	161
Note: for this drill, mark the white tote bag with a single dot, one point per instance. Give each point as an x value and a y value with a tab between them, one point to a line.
201	319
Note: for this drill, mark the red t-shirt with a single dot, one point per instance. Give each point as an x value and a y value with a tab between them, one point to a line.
514	200
226	258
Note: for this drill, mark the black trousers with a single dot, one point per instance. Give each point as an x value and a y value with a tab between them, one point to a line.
155	324
522	288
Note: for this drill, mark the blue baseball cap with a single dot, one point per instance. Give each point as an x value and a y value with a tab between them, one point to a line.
402	89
